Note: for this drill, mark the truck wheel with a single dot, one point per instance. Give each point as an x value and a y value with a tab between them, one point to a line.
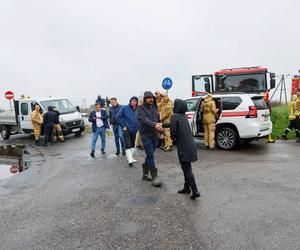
226	139
5	132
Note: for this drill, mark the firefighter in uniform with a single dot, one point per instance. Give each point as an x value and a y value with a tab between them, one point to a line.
57	133
158	100
292	118
209	110
37	121
269	137
138	140
166	111
297	113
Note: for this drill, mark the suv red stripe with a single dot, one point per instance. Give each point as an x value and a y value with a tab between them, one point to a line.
233	114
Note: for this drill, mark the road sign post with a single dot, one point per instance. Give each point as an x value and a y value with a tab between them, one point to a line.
9	95
167	83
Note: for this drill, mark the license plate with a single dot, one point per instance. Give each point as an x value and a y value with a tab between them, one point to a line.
75	129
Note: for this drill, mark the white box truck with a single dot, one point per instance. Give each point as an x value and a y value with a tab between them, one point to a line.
19	120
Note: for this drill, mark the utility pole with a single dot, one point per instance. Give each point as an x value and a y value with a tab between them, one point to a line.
282	86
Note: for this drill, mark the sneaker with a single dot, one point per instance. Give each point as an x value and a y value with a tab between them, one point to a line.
102	151
118	152
284	137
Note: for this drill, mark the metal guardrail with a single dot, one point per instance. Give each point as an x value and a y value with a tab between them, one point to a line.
13	152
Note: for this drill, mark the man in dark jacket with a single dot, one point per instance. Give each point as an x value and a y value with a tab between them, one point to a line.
117	129
49	121
181	134
98	118
150	125
127	118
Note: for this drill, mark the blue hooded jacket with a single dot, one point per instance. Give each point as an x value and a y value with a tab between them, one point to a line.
127	117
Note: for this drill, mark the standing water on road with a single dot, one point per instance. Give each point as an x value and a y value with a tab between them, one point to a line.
7	171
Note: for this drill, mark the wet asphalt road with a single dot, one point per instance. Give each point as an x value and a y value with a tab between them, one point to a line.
67	200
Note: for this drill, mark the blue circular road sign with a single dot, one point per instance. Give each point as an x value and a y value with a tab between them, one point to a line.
167	83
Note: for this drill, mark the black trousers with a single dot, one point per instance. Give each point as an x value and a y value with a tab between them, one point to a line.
48	133
129	139
189	179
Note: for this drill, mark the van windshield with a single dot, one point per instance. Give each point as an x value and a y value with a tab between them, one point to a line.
64	106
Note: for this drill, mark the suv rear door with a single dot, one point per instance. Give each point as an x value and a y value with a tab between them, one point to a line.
192	107
263	113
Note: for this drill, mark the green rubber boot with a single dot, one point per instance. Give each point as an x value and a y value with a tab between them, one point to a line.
156	182
146	176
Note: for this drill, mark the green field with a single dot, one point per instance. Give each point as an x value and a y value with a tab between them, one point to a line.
280	121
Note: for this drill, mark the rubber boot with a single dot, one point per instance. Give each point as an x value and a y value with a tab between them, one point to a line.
132	151
129	157
156	182
270	140
146	176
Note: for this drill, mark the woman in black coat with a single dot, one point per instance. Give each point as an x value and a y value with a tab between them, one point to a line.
182	136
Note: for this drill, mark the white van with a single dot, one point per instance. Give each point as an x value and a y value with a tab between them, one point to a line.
241	118
19	120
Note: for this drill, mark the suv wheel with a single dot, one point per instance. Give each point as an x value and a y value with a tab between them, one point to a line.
226	138
5	132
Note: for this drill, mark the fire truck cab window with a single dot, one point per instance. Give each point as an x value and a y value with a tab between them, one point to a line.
242	83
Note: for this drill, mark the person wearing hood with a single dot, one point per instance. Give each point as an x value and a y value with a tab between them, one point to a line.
149	126
49	121
127	119
182	136
292	118
209	110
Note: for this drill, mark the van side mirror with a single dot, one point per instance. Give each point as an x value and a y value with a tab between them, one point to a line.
207	87
272	75
272	83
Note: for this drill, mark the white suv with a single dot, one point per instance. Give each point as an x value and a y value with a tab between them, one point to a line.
241	118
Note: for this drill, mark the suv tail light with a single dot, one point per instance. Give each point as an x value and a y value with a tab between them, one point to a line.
252	112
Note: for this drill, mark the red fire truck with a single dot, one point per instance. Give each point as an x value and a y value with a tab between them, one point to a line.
295	83
252	80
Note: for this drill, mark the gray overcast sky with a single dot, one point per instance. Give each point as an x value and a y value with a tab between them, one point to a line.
81	48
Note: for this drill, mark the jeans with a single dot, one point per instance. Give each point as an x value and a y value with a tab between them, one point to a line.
118	133
149	146
102	132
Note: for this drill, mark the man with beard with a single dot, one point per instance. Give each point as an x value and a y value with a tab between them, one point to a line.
149	126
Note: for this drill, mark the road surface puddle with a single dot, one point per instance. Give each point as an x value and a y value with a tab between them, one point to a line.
7	171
